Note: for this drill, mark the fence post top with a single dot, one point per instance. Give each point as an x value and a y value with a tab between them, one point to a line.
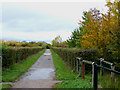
112	64
93	63
102	59
78	58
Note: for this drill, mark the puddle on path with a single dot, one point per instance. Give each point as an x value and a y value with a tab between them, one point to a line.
43	73
46	54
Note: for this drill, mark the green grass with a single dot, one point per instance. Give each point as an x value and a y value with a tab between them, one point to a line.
15	71
62	72
39	46
105	81
76	83
70	80
5	86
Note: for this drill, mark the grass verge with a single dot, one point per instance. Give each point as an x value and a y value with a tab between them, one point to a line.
15	71
3	86
105	81
71	80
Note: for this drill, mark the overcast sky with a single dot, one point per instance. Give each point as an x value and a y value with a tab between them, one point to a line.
43	21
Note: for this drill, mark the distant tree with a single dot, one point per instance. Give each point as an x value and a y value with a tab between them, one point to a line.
48	46
32	42
44	44
73	40
56	41
24	41
63	44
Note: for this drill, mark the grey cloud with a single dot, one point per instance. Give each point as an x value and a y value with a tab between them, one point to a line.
19	19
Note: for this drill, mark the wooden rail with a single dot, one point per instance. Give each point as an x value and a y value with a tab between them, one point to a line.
95	67
112	67
88	62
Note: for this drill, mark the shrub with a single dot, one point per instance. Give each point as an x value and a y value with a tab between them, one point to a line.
16	54
69	54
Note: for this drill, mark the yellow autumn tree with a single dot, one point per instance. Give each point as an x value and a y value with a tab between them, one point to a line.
102	31
99	31
91	29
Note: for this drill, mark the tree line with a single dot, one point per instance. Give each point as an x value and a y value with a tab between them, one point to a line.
99	31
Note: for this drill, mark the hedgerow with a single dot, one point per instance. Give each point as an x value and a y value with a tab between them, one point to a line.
69	54
14	55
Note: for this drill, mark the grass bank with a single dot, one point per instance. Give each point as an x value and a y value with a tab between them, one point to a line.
3	86
105	81
70	80
16	70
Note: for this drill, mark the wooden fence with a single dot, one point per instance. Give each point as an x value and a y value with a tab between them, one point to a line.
80	68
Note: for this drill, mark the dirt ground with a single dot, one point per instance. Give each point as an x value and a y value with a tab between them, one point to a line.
40	75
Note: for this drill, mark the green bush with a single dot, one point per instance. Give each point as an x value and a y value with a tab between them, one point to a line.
69	55
16	54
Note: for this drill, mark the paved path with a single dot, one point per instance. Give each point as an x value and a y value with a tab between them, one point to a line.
40	75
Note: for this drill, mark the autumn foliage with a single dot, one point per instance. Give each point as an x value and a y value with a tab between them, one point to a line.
101	31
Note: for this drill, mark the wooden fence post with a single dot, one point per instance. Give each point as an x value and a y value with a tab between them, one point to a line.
101	70
94	76
76	66
83	70
112	74
79	68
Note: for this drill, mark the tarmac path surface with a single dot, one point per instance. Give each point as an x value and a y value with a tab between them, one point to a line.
40	75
